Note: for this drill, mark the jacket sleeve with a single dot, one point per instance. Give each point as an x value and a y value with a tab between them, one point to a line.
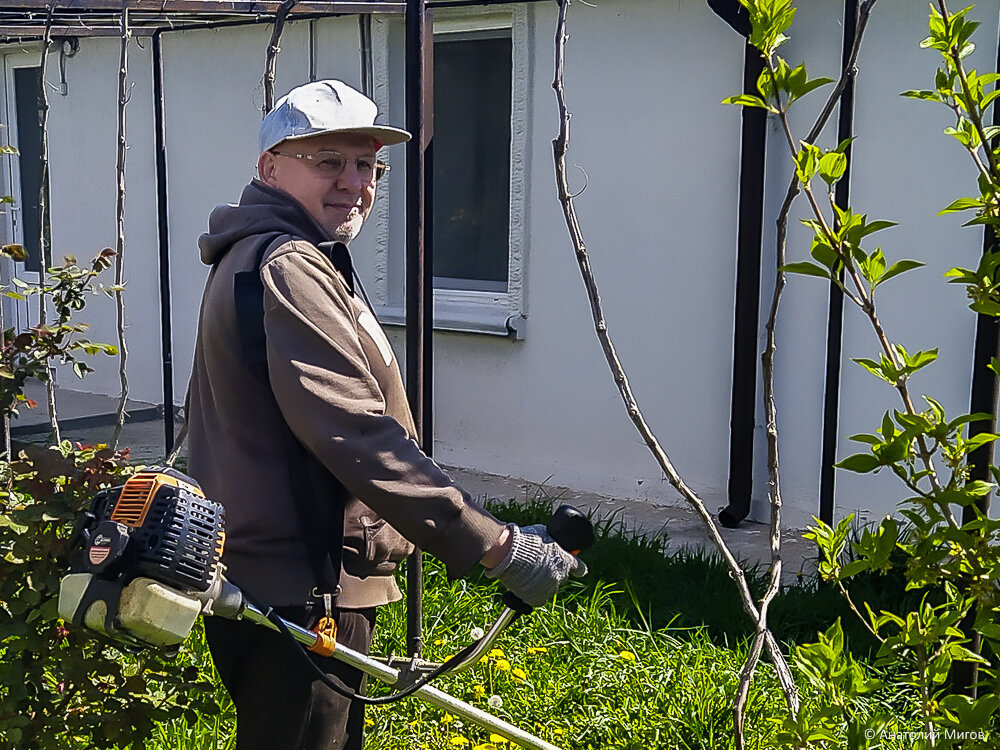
326	392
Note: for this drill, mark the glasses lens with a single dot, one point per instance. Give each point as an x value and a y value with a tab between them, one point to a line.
329	162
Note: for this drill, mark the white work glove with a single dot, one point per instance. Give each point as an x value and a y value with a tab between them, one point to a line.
535	566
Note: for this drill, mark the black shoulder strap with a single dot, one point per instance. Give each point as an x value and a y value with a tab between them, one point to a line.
319	497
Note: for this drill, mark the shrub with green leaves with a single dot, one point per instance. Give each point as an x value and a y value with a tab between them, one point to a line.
63	688
949	543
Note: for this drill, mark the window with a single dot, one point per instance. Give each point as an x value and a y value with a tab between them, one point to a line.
27	90
472	160
21	177
479	192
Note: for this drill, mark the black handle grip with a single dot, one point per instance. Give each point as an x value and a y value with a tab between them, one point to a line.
571	529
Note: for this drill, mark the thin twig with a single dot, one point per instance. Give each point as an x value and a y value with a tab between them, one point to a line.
559	148
767	367
178	445
120	217
45	237
974	114
272	54
854	608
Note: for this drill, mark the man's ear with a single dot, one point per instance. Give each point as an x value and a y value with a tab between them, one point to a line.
265	168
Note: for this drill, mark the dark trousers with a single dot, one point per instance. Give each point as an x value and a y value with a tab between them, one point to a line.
280	702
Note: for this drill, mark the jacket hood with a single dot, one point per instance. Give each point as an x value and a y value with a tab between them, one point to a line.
262	209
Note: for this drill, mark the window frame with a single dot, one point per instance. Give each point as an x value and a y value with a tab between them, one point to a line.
464	310
18	313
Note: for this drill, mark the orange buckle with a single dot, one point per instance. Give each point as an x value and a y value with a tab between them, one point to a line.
326	637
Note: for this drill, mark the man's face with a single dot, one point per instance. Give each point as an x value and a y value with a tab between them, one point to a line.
340	204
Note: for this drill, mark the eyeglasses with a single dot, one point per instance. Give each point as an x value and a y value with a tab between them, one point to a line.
333	163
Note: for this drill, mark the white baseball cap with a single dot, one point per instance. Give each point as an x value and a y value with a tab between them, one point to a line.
322	107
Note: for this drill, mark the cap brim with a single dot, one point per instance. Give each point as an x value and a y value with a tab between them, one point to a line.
384	134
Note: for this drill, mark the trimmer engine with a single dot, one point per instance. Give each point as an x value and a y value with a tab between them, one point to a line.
148	560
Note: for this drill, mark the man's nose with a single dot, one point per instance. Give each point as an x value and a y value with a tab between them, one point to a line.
350	178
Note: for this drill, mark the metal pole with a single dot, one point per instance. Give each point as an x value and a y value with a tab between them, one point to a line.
419	276
163	238
747	305
390	676
835	315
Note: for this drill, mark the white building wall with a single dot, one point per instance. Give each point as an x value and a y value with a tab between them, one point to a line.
546	408
83	142
644	80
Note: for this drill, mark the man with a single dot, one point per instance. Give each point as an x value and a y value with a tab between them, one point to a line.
299	425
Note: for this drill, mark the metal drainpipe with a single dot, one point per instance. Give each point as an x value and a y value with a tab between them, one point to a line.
747	306
419	273
367	65
835	316
163	238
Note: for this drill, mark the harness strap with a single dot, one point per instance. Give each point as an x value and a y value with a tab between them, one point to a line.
319	496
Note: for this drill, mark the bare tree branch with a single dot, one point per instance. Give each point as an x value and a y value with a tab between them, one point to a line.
272	54
178	444
559	148
45	236
126	34
767	368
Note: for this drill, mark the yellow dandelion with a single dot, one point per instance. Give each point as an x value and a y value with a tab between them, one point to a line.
558	732
447	719
497	653
503	665
519	673
459	740
496	739
415	723
485	747
626	656
478	691
538	650
438	641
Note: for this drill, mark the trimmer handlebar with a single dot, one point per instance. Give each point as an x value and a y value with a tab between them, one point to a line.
572	531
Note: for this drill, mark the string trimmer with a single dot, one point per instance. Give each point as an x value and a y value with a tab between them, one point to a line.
149	564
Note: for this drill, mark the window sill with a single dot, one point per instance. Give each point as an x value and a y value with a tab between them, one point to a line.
462	318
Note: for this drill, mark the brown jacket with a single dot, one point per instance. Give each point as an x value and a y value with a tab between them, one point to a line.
335	381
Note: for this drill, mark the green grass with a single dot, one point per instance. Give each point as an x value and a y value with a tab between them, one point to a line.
644	654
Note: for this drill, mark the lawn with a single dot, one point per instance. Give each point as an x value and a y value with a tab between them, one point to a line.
645	653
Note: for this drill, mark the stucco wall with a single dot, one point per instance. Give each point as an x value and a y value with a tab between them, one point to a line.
644	80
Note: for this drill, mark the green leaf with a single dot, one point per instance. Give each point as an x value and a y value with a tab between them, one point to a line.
989	98
962	204
748	100
853	568
862	463
806	269
804	88
875	226
807	162
832	167
932	96
897	268
882	370
823	253
865	438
